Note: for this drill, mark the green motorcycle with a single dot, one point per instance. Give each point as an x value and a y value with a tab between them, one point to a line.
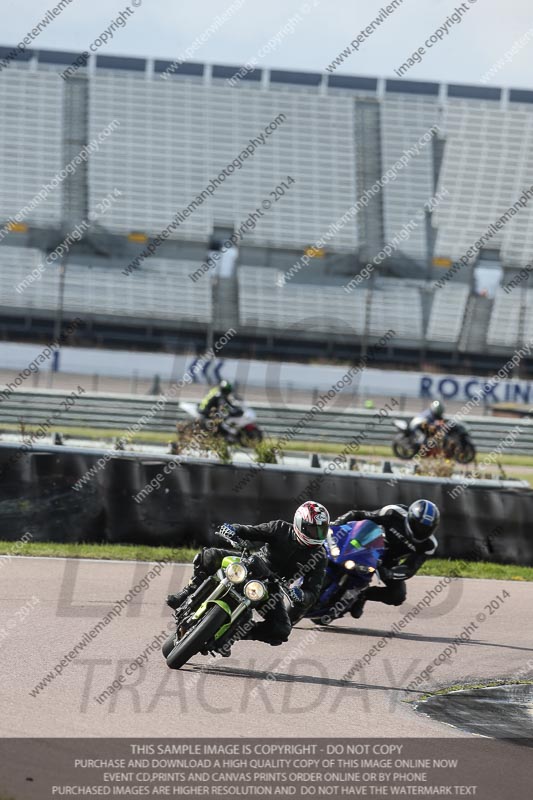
223	604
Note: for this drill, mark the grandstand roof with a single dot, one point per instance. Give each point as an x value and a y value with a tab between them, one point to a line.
310	80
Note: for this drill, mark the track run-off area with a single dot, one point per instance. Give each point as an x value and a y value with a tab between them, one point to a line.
355	678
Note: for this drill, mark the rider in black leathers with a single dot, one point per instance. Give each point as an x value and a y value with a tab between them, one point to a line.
291	551
409	541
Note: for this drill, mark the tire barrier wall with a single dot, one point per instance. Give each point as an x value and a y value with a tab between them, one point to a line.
489	520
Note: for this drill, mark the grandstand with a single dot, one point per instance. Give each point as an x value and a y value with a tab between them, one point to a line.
335	135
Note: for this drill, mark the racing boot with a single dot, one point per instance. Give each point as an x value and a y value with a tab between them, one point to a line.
174	601
357	608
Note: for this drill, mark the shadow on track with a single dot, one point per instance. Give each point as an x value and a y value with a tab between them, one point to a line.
415	637
286	677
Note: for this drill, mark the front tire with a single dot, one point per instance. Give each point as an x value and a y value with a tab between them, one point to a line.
168	645
403	447
195	641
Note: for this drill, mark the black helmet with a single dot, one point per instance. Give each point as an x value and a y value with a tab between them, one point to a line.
437	409
225	387
423	518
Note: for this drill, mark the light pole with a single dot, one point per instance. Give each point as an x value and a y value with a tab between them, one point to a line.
58	324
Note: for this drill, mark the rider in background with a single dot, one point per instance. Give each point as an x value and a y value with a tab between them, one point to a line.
421	424
291	550
409	541
220	403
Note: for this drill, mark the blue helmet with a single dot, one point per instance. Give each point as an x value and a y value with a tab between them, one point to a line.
423	518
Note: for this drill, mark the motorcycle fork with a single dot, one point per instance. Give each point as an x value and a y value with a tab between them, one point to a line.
235	614
217	592
203	591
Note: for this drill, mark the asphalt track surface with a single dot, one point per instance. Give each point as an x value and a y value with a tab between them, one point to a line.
316	692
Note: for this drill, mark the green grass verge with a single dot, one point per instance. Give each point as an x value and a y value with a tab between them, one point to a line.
128	552
465	687
141	437
476	569
118	552
162	438
386	452
336	447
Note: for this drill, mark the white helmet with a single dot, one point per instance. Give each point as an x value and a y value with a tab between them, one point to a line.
311	523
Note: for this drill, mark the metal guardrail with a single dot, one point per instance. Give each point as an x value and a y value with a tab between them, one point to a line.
120	411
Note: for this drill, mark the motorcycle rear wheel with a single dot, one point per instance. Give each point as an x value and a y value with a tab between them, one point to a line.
465	453
249	438
321	620
195	641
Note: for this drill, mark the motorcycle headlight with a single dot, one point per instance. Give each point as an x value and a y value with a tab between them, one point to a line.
332	544
350	564
236	573
255	590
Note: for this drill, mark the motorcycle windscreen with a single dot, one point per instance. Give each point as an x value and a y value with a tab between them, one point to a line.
362	542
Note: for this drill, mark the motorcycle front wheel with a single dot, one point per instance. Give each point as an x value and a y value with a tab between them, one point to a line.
403	447
168	645
195	641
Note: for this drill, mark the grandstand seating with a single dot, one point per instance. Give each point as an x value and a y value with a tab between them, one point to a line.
396	305
528	316
487	165
31	126
328	308
163	292
504	325
447	313
404	121
263	304
177	135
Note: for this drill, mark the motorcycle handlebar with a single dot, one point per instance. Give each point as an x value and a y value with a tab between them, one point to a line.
237	543
234	541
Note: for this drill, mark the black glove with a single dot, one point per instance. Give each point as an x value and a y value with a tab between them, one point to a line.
397	573
385	573
297	595
227	532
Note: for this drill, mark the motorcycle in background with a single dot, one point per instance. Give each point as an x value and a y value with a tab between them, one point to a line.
239	429
449	439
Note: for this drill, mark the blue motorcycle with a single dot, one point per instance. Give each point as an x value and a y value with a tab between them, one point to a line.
354	552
